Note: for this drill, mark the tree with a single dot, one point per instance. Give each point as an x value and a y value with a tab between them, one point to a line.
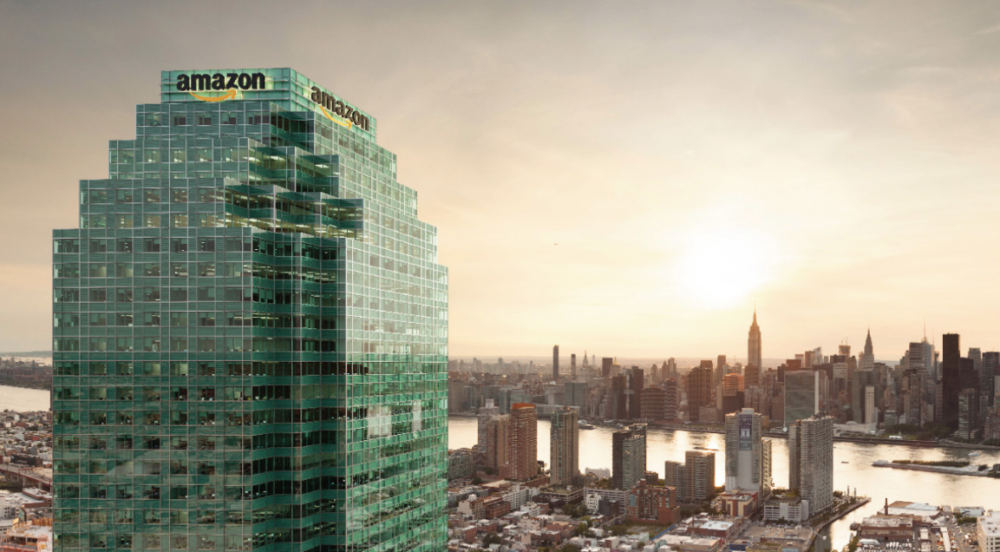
492	538
477	481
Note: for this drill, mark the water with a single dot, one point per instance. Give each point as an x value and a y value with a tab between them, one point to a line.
20	399
858	472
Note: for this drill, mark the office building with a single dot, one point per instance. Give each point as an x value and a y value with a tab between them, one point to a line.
633	388
628	456
987	383
951	369
810	461
860	381
564	452
572	367
606	367
968	414
247	273
654	405
748	454
868	356
699	391
753	344
575	394
671	404
555	364
751	376
802	394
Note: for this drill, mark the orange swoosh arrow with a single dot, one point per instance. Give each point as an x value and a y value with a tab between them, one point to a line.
229	95
339	121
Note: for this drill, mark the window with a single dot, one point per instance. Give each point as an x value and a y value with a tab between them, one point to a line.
228	118
97	295
204	120
178	221
178	245
206	244
125	196
179	196
206	269
98	246
151	319
67	246
123	270
123	221
123	319
179	120
151	269
152	119
151	245
124	295
178	270
178	294
151	221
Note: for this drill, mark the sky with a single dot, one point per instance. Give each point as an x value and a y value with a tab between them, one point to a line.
629	178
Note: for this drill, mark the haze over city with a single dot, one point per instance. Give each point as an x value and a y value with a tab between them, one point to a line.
612	179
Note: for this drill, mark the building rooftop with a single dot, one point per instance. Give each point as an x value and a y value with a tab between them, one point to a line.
989	524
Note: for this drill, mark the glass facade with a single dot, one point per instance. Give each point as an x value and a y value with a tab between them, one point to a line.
250	332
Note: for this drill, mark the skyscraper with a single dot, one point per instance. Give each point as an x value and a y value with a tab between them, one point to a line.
572	366
991	367
699	392
810	461
564	442
483	420
753	344
498	443
671	400
868	357
606	367
951	374
245	278
628	456
522	443
802	393
555	364
695	478
748	454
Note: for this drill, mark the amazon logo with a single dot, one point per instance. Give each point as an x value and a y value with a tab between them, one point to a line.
343	114
231	83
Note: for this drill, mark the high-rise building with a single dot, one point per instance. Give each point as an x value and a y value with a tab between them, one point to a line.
635	385
951	370
522	443
498	443
968	414
860	380
810	461
628	456
213	309
575	394
555	363
695	478
483	419
868	356
732	384
654	401
671	400
802	394
564	450
748	454
699	391
572	366
753	344
987	389
606	367
751	376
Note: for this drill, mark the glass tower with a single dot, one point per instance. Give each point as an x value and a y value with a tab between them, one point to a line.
250	332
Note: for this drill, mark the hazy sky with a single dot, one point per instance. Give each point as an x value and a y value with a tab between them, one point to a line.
622	177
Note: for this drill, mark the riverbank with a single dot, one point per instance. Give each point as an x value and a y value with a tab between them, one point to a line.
839	516
971	470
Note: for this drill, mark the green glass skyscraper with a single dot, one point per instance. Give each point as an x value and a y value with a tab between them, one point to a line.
250	332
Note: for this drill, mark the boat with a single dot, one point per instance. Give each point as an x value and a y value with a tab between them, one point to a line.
585	426
844	462
973	454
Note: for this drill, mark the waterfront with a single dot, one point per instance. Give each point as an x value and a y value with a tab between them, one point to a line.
858	472
20	399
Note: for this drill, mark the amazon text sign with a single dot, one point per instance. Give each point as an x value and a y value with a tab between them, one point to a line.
218	81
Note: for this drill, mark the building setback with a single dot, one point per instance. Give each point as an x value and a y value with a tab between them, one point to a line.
250	332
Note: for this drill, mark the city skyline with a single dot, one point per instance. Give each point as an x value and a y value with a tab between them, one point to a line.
617	179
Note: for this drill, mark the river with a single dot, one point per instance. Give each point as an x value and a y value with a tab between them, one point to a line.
20	399
852	468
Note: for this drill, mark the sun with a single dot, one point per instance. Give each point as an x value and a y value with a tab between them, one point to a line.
720	265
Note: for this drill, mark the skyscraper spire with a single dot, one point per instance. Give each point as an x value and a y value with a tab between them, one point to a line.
753	343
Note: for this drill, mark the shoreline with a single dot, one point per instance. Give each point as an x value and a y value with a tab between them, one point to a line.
932	469
843	439
831	521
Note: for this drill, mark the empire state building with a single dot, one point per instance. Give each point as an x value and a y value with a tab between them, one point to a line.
753	343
